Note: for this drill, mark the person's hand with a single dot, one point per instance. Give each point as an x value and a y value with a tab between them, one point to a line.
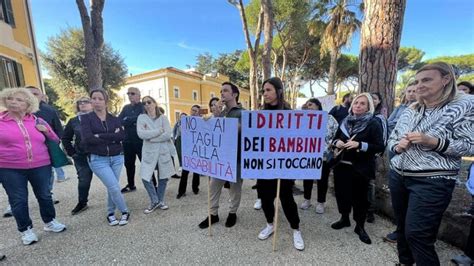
403	145
351	145
340	144
422	139
42	128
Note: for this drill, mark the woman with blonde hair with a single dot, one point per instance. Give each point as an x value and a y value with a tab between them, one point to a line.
429	140
24	135
158	152
357	141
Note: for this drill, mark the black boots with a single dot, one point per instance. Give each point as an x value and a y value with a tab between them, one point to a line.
205	224
363	236
231	220
343	222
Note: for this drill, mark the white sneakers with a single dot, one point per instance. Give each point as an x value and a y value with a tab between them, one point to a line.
298	240
163	206
258	204
54	226
28	237
320	208
266	232
305	205
112	220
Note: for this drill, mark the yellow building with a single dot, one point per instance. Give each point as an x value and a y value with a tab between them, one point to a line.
18	53
177	91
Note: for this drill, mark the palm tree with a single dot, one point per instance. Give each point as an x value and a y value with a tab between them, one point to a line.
340	25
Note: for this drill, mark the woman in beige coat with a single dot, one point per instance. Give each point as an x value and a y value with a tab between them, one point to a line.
158	152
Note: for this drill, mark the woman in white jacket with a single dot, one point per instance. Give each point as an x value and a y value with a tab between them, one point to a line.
158	152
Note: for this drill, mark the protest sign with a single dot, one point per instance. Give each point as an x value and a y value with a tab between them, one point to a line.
328	102
210	147
283	144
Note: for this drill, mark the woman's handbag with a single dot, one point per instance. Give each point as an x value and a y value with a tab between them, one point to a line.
56	154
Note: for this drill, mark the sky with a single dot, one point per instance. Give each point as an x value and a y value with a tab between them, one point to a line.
153	34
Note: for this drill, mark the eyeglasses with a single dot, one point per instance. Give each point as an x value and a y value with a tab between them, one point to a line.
147	102
83	102
131	93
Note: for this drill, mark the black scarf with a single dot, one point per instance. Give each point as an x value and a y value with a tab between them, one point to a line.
352	124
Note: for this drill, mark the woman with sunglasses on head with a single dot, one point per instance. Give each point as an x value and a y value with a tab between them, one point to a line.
332	125
267	188
102	134
358	139
429	140
158	152
72	133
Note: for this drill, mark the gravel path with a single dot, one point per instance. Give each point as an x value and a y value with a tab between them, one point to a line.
173	237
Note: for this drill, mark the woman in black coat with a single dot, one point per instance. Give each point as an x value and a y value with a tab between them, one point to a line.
358	139
267	188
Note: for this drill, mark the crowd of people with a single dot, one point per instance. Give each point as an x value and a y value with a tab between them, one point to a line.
424	137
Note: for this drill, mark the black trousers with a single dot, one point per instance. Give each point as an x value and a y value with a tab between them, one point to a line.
267	190
351	192
322	185
469	249
130	153
84	174
419	204
183	182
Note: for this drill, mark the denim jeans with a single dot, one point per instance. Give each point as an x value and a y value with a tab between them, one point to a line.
59	173
15	182
84	174
419	204
156	194
107	169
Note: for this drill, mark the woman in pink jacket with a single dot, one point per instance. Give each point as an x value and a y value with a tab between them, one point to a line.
24	158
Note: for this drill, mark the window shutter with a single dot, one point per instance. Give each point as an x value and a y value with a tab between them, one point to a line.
20	78
3	75
9	13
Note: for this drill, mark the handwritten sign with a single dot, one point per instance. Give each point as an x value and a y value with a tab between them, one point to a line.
283	144
210	147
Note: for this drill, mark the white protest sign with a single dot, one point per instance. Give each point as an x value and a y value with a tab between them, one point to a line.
210	147
328	102
283	144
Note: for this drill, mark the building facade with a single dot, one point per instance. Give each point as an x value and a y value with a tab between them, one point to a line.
177	91
19	65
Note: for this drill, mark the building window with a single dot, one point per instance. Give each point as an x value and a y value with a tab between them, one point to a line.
11	74
177	115
176	92
195	95
6	12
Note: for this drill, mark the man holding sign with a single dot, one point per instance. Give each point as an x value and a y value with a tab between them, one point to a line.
230	97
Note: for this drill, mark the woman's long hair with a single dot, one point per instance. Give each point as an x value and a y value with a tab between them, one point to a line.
449	90
278	85
157	109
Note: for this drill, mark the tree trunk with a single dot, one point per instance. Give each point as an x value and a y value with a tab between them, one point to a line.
311	88
380	40
332	72
93	29
252	50
268	35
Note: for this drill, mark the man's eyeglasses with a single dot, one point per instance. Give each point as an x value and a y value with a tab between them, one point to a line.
83	102
131	93
147	102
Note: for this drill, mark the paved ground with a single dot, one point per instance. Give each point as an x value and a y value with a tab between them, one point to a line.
173	237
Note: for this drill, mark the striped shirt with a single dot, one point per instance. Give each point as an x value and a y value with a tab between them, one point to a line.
452	124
